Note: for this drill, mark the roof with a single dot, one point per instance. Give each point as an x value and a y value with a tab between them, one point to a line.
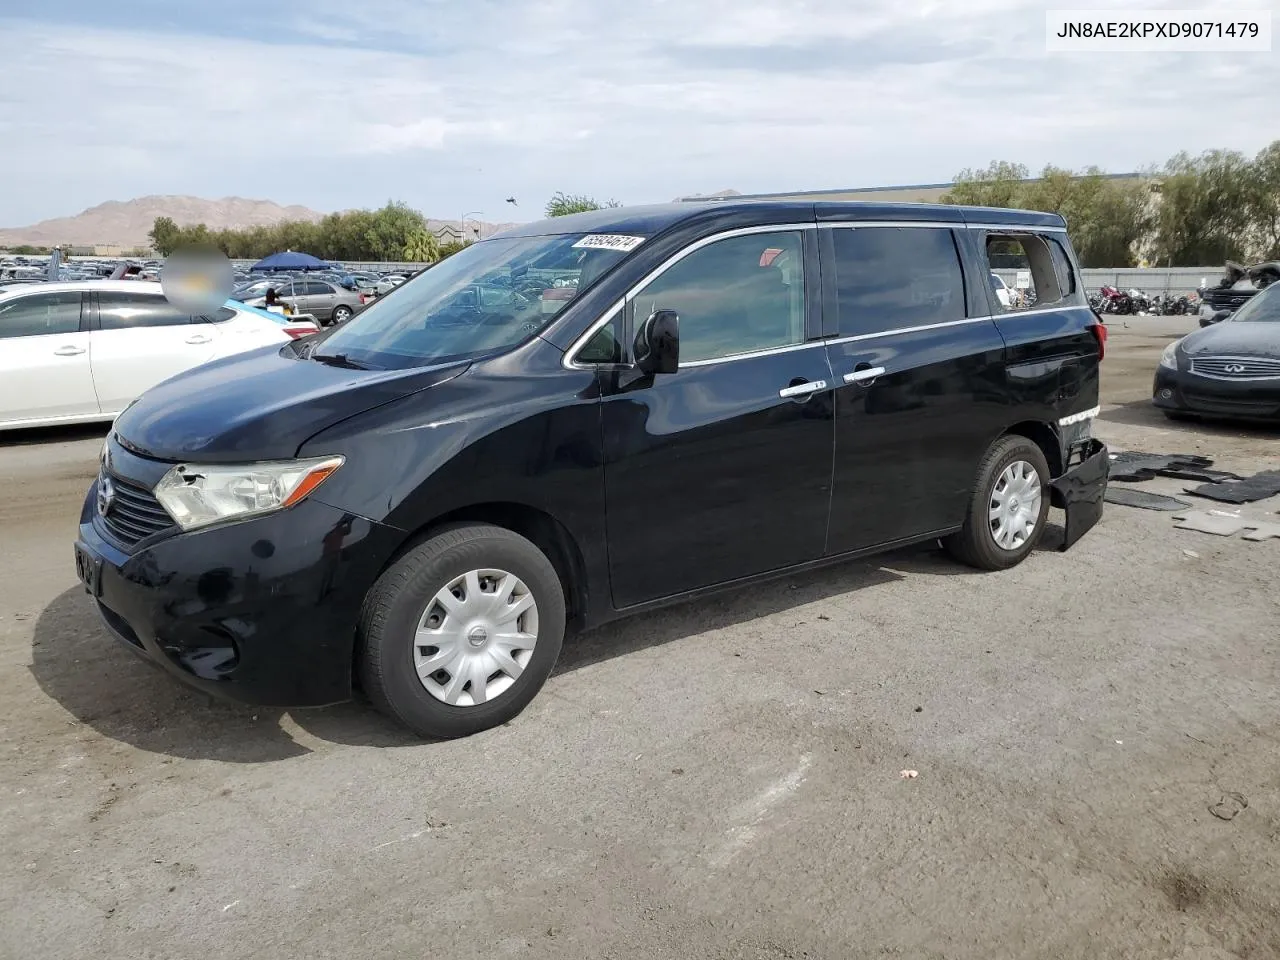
648	221
136	286
942	187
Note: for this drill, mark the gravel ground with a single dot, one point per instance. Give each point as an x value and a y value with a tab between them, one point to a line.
713	781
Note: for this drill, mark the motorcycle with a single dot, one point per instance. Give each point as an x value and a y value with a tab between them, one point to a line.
1115	301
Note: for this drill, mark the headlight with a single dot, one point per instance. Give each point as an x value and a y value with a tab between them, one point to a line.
1170	356
197	495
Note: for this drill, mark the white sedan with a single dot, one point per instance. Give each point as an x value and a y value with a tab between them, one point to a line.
83	351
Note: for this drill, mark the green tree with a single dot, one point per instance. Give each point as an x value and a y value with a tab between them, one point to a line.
1264	204
563	204
999	185
1204	210
421	247
450	247
165	235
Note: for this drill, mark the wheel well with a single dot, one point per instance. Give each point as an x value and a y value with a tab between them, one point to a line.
543	530
1044	437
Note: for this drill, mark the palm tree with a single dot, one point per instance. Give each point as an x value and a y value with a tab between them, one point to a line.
422	247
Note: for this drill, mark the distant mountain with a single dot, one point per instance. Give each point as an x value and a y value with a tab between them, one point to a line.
126	223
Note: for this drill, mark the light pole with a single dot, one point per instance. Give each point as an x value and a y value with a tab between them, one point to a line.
462	228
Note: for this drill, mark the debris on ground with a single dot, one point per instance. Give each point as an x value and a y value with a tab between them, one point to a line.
1203	522
1229	806
1191	553
909	774
1245	490
1224	523
1143	499
1262	531
1131	466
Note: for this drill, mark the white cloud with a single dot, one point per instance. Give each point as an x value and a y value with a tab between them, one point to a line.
448	104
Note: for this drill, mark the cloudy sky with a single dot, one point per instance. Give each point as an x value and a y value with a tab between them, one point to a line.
454	105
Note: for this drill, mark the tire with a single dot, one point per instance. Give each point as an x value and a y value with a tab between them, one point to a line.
404	598
341	313
975	544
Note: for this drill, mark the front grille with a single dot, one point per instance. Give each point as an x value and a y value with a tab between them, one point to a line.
1236	368
132	513
1231	405
1228	299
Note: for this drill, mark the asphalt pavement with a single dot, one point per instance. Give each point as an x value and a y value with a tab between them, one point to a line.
1095	736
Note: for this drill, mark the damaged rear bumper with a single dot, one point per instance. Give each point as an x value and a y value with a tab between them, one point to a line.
1080	490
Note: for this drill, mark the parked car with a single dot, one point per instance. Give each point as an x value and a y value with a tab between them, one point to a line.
1000	289
1230	369
82	351
327	302
434	493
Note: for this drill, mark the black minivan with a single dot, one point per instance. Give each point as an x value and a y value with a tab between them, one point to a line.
588	417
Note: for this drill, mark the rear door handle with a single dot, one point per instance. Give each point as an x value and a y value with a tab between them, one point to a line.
866	375
803	389
68	351
199	338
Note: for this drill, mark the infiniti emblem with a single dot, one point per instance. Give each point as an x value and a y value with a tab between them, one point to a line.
106	494
1234	368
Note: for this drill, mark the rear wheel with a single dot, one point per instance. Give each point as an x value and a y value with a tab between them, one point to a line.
460	634
1008	509
341	313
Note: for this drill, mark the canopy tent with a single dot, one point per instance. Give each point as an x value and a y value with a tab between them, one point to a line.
289	260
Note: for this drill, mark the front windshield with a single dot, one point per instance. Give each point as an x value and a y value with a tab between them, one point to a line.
1261	308
484	299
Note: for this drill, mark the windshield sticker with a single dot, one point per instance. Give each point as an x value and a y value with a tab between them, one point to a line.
609	241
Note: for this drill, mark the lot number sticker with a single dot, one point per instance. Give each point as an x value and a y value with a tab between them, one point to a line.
609	241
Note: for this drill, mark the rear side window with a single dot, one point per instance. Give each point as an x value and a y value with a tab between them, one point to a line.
1062	266
1039	281
124	311
895	278
222	315
316	286
41	314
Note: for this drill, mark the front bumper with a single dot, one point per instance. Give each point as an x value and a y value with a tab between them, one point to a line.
263	611
1186	392
1081	489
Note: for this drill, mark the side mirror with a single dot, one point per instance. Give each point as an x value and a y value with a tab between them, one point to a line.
657	345
1220	316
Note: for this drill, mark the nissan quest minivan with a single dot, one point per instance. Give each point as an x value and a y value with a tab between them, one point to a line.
588	417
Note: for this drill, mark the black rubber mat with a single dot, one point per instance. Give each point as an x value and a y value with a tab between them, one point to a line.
1258	487
1130	466
1129	497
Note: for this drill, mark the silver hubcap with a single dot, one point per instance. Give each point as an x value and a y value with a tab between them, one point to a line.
476	637
1014	508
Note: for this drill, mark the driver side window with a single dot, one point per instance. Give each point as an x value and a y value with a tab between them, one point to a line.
734	296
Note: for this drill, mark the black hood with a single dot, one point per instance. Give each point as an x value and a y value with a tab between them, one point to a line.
1235	339
261	405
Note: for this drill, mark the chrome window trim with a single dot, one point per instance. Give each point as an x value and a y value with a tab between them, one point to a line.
1015	228
570	357
1038	310
789	348
889	333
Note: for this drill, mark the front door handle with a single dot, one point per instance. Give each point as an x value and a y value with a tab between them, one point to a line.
68	351
865	375
199	338
803	389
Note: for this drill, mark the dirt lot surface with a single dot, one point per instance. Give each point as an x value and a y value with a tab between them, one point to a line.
715	781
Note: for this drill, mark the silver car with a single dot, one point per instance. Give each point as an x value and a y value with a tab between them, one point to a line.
327	302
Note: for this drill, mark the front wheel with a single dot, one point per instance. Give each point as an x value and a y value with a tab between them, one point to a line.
1008	508
461	632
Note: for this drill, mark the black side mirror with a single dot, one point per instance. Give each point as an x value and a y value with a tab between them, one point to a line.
1221	315
657	345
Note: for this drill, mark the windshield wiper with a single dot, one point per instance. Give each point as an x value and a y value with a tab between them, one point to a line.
339	360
